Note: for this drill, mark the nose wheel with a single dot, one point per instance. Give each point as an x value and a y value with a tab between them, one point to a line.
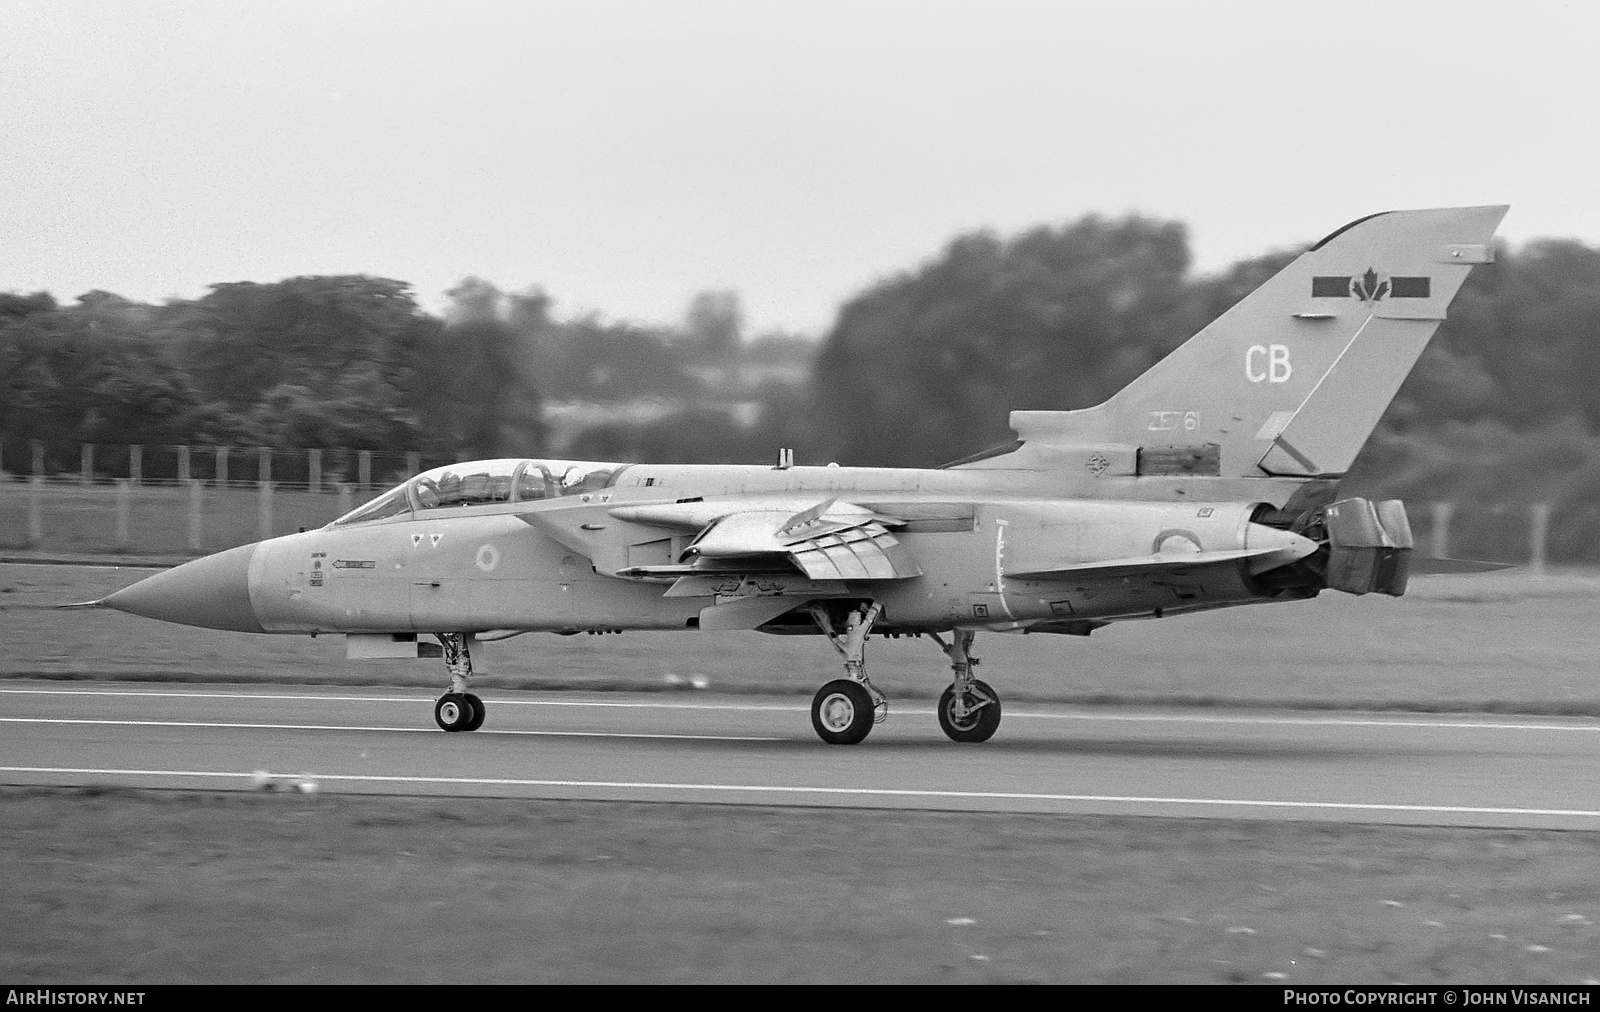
458	709
477	712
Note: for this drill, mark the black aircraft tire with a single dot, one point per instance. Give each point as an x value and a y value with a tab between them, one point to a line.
975	727
453	712
841	712
477	712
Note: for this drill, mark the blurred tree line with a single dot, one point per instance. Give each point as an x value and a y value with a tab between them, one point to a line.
918	368
355	362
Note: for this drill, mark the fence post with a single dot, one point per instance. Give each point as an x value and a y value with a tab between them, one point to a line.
1442	512
413	462
86	464
38	456
346	501
364	469
183	464
136	464
264	464
314	469
196	504
222	467
35	511
124	503
1538	534
264	511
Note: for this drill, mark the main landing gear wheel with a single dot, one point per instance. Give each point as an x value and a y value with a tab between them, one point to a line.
454	712
976	719
842	712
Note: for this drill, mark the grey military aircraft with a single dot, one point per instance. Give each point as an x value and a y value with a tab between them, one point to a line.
1208	482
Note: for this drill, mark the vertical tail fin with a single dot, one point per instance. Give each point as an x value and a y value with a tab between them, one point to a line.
1293	378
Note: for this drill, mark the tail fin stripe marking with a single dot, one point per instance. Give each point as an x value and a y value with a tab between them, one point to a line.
1369	288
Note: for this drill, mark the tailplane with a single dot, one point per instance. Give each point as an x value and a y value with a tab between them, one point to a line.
1292	379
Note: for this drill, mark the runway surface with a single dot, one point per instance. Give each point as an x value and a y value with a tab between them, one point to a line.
1412	769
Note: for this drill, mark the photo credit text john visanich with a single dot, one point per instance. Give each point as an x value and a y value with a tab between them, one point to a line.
1437	996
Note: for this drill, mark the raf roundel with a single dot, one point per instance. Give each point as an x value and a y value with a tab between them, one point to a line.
488	558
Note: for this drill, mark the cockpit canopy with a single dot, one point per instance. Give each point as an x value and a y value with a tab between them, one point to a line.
482	482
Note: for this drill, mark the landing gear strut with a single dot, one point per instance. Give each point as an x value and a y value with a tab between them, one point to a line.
458	709
969	711
844	710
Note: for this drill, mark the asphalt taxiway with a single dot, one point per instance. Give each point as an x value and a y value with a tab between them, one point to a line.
1532	772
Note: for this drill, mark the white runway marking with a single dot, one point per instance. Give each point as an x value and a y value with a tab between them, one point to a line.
497	700
1340	806
357	727
1011	712
1309	721
79	565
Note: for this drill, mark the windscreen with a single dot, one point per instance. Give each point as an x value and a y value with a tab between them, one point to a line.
391	503
487	483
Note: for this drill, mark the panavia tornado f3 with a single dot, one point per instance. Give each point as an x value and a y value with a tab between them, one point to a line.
1208	482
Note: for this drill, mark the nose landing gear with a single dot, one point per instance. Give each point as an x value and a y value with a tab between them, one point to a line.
458	709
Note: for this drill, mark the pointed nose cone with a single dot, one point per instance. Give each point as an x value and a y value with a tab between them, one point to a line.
213	592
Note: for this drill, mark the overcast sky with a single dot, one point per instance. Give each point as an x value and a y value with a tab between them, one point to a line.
626	155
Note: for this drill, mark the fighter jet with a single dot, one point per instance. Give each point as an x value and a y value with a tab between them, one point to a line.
1211	481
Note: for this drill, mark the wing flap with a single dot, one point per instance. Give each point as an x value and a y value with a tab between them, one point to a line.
868	552
826	540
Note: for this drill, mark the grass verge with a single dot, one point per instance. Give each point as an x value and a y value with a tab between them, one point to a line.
128	886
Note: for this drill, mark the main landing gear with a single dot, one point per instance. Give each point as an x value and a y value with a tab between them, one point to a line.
844	710
458	709
969	711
